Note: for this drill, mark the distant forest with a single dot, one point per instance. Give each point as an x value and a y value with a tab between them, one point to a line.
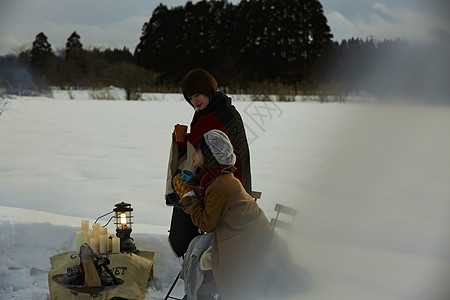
257	47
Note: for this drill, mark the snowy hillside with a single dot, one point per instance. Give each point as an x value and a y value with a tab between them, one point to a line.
371	183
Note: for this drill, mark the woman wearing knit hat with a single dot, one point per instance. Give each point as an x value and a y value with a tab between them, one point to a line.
246	257
213	110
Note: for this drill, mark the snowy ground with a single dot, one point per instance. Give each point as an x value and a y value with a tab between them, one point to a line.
371	183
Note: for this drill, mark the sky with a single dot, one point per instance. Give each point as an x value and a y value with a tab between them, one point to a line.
118	23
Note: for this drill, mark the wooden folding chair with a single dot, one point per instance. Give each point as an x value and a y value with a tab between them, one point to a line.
282	209
256	195
172	287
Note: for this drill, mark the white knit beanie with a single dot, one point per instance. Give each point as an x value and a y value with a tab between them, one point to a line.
220	146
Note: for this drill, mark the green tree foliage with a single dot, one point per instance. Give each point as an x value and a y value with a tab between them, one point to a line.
255	40
41	53
33	70
75	61
118	55
377	67
74	47
282	38
43	62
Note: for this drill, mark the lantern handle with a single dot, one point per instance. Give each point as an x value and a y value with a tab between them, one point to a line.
108	221
103	216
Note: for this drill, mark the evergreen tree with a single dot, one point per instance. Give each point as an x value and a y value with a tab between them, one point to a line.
41	53
43	62
317	35
119	55
155	40
75	65
282	38
74	47
255	40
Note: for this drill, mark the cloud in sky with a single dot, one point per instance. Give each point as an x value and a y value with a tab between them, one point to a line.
385	21
125	33
100	23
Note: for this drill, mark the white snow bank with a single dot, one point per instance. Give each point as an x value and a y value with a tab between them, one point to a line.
370	182
28	238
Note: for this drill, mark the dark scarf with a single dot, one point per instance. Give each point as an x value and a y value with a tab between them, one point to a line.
209	177
222	115
209	118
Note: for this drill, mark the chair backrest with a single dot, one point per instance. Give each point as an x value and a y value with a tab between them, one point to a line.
282	209
256	195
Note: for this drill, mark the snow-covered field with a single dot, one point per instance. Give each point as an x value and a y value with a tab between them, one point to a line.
371	183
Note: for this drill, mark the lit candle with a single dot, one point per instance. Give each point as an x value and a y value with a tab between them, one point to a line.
109	242
84	225
80	239
116	245
103	243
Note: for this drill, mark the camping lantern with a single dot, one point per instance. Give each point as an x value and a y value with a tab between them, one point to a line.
123	217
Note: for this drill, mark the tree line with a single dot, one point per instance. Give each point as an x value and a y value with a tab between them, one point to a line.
256	46
34	70
250	41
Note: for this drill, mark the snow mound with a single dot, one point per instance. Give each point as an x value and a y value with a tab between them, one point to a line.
25	249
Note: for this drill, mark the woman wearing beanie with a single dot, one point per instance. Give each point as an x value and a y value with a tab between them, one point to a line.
213	110
247	259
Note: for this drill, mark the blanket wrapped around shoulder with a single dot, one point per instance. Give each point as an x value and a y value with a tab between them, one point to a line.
191	271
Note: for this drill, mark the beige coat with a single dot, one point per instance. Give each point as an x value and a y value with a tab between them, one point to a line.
245	257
